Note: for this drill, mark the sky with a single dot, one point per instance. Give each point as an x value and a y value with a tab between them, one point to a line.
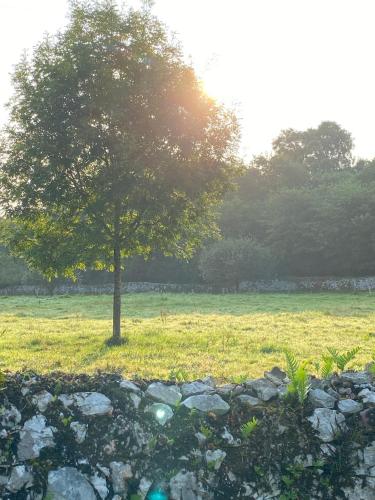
278	63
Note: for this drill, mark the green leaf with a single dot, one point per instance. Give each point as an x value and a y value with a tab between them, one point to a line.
249	427
341	360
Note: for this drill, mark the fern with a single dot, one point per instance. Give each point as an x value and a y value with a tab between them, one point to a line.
301	383
341	360
298	376
291	365
327	366
248	428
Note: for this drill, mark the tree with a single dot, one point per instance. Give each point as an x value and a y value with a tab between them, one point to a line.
113	149
325	148
296	231
228	262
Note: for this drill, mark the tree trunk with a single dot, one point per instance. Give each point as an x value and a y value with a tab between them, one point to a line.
116	335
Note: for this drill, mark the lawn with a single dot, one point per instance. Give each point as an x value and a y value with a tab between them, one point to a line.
228	336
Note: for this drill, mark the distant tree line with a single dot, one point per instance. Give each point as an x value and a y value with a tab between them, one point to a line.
306	209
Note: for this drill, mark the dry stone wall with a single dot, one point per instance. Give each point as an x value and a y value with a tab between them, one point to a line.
361	284
103	437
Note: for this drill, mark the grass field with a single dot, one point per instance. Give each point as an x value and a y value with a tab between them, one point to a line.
228	336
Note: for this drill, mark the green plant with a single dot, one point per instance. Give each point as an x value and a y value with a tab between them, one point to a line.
58	388
327	366
341	360
178	375
170	441
206	431
153	441
66	421
249	427
259	471
193	412
298	376
294	473
372	364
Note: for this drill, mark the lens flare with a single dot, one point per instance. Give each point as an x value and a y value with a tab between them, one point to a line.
157	495
160	414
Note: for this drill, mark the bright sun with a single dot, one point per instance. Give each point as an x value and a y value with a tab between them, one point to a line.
217	84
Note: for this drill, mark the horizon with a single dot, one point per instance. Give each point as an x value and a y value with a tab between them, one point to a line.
291	79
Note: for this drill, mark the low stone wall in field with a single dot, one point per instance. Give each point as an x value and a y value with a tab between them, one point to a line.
277	285
67	437
310	284
132	287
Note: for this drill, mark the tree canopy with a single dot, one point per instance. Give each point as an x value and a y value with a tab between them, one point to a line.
113	149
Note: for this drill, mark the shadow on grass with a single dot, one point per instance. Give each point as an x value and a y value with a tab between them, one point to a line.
153	305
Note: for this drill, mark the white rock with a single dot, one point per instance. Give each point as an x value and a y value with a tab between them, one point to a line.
247	400
209	381
103	470
195	388
228	437
356	377
232	477
358	491
183	486
20	477
367	396
89	403
276	376
215	458
201	438
226	390
328	423
80	431
321	399
207	404
364	393
141	436
100	484
129	386
143	488
34	436
264	389
10	417
68	483
282	390
349	406
120	473
167	394
161	412
42	400
136	400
